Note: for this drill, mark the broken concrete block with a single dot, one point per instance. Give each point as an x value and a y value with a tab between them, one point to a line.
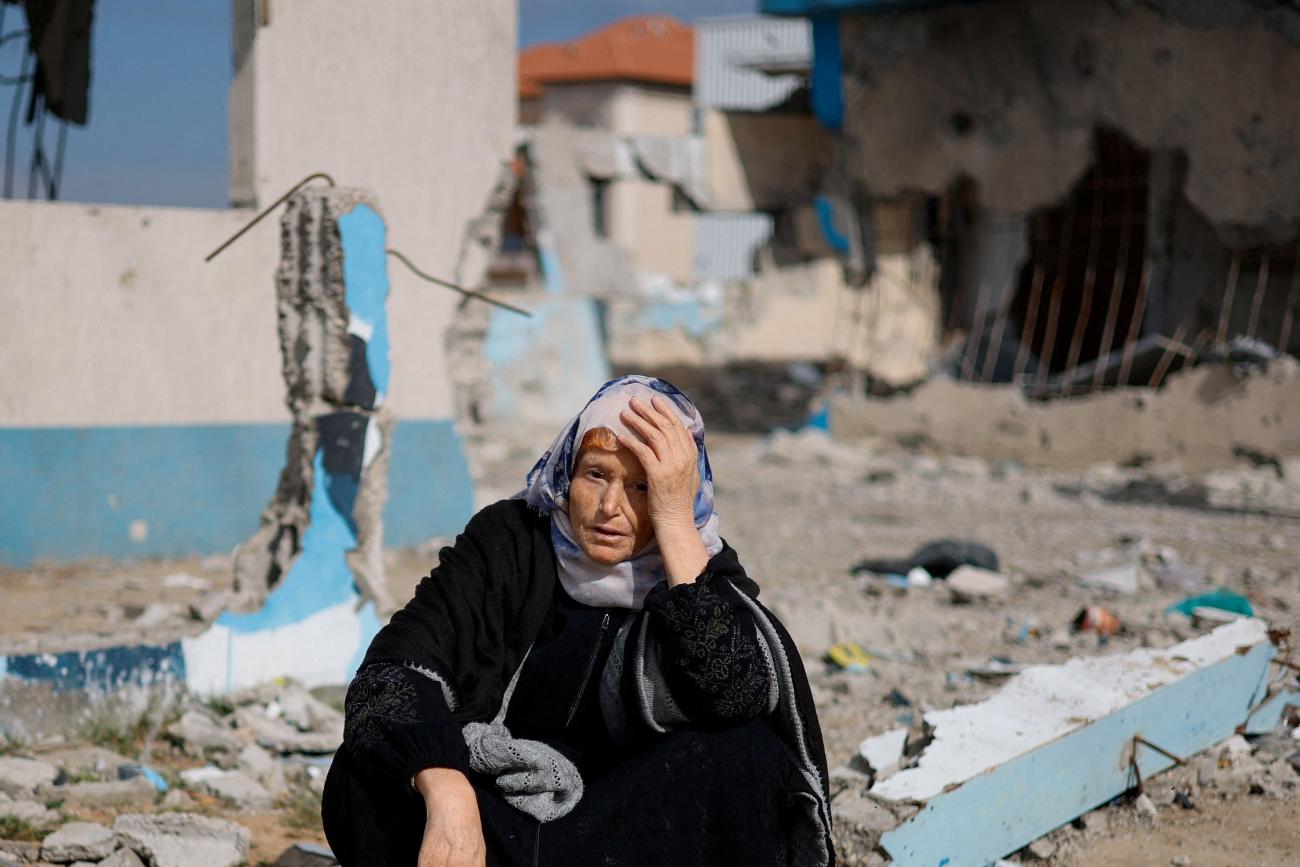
85	760
864	816
135	791
177	799
122	858
197	732
33	813
183	840
971	583
1145	806
234	786
1041	849
306	855
21	777
261	766
991	781
280	737
305	712
78	841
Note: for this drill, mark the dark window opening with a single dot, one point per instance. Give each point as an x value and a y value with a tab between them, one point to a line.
600	207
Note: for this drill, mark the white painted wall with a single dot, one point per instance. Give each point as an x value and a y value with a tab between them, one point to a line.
643	222
622	108
412	100
112	317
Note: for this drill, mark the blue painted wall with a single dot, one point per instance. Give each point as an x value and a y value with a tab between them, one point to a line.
72	493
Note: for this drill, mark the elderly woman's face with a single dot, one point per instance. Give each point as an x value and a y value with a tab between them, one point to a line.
607	505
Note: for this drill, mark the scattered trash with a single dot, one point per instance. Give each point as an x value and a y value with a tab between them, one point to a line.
1184	800
126	772
997	668
897	699
919	577
1222	599
848	656
1119	579
938	558
1098	619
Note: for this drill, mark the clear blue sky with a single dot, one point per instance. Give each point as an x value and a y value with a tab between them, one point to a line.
160	71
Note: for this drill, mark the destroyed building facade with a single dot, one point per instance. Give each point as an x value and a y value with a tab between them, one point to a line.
1105	187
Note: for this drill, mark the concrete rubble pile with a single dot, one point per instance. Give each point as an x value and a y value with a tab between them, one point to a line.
977	782
258	750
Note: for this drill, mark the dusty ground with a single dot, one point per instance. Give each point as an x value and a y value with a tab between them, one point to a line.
801	512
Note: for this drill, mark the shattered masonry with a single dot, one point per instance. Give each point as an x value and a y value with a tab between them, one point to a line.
331	289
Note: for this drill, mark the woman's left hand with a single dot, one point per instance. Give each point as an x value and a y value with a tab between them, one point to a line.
668	455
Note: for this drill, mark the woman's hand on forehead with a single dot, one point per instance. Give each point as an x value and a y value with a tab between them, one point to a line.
668	454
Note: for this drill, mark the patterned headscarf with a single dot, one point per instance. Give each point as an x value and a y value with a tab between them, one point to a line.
625	584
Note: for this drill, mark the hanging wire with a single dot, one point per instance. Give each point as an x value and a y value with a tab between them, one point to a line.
447	284
23	77
11	135
277	203
394	253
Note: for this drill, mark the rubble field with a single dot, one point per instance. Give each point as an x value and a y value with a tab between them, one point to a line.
801	510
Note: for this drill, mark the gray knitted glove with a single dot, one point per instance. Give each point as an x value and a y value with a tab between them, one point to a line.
533	777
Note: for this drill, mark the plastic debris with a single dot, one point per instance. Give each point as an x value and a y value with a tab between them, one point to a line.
1222	599
1098	619
848	656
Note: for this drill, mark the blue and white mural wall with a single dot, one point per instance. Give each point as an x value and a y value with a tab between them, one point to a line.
142	409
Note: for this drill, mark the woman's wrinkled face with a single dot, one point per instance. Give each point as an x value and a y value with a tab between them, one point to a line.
608	505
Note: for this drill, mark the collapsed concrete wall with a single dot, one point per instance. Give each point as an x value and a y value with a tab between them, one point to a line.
1010	93
1204	417
331	290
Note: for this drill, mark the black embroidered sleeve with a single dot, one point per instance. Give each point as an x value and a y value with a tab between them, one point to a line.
397	722
711	653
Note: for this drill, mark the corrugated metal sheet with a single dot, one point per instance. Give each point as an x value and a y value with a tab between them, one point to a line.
730	52
725	244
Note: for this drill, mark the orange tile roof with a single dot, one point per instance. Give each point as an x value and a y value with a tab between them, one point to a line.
650	48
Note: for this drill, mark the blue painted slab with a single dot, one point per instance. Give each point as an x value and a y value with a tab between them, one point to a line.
73	493
99	670
1006	808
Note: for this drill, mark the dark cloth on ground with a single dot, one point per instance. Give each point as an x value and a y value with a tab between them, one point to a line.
495	597
940	558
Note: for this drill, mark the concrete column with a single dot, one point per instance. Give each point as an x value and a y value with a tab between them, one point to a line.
326	513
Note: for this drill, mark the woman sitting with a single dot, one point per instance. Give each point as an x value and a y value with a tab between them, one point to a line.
586	678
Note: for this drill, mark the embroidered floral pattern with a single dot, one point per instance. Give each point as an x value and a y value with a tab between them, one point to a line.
380	696
713	647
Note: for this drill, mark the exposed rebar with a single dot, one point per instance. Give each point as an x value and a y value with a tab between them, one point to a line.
1261	284
447	284
1112	308
277	203
1225	309
1135	323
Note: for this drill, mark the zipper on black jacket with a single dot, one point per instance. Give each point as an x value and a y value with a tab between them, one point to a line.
586	675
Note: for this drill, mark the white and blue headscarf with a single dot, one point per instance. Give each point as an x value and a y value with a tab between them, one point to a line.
623	585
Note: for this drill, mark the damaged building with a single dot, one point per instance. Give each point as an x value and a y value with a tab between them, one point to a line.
1089	225
667	209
